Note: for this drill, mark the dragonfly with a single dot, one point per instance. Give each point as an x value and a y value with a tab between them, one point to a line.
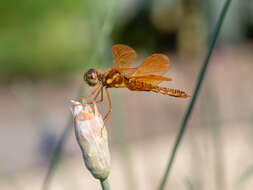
145	77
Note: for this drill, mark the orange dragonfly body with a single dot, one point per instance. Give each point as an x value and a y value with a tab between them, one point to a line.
145	77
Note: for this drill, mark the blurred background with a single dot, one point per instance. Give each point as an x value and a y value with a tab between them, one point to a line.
46	46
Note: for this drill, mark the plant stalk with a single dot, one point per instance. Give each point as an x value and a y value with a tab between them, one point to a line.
195	94
105	184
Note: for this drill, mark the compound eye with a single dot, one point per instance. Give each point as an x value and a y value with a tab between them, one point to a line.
91	77
92	82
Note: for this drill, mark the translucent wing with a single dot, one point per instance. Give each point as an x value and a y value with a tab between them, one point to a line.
151	79
151	69
123	55
156	64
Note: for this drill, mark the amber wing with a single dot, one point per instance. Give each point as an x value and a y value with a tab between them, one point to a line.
123	55
152	69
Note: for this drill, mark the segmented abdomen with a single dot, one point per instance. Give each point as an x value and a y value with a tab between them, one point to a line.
137	85
170	92
143	86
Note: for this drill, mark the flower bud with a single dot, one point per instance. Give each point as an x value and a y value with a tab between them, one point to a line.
94	144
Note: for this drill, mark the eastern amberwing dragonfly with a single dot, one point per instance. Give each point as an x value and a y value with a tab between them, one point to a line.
145	77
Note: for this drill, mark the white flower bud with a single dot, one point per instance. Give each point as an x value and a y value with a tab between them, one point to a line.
94	146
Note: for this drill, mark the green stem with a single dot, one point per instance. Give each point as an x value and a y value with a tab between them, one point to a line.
105	184
196	92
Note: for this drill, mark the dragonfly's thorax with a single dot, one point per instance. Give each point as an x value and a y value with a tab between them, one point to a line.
114	79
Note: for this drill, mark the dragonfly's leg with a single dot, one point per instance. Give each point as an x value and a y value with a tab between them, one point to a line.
101	96
95	98
85	97
107	116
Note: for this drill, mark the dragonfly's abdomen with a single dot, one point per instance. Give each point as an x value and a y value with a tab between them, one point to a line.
143	86
170	92
135	85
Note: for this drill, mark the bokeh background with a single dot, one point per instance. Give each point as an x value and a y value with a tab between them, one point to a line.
46	46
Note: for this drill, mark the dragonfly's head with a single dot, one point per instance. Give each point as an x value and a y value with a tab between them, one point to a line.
91	77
